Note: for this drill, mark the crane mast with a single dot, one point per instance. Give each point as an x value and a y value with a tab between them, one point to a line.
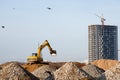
102	19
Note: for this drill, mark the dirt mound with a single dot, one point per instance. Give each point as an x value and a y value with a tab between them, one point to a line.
70	71
44	72
105	64
111	74
79	65
32	67
13	71
93	70
59	64
4	64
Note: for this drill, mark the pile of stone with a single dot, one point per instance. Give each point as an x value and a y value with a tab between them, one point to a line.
67	71
45	72
70	71
93	70
13	71
111	74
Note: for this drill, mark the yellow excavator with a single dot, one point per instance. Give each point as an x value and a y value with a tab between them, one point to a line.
37	57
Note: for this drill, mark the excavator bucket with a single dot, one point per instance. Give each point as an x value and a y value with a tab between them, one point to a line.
53	52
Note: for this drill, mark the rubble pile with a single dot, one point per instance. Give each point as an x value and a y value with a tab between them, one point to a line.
105	63
7	63
93	70
98	70
111	74
44	72
70	71
13	71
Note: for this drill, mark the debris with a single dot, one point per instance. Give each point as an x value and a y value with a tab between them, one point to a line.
70	71
61	71
7	63
50	77
93	70
13	71
42	72
111	74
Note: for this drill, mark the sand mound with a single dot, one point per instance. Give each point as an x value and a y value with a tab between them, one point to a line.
41	72
13	71
70	71
105	64
7	63
60	64
111	74
32	67
93	70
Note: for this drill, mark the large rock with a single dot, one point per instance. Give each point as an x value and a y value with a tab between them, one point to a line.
13	71
70	71
93	70
111	74
45	72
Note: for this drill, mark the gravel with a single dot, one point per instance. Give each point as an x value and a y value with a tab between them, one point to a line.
70	71
42	72
93	70
111	74
13	71
67	71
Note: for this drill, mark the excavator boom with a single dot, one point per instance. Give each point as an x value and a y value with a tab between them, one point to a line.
44	44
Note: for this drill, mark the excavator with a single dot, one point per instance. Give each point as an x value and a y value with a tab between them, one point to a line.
37	57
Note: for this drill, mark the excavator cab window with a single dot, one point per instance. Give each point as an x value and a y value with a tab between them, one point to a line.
34	54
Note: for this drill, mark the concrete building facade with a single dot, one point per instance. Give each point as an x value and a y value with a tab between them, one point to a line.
103	42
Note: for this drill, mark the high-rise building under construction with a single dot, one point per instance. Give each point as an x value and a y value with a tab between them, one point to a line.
103	42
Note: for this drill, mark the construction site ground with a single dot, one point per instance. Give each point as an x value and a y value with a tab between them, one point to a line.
33	67
97	70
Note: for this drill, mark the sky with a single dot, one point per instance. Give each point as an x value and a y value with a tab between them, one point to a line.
65	26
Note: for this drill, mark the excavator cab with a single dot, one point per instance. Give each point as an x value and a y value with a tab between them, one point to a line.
34	54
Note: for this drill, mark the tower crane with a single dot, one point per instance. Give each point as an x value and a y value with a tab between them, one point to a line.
102	19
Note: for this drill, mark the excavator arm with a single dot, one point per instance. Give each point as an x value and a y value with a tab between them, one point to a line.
44	44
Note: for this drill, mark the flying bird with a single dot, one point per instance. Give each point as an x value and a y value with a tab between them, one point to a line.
3	26
48	8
